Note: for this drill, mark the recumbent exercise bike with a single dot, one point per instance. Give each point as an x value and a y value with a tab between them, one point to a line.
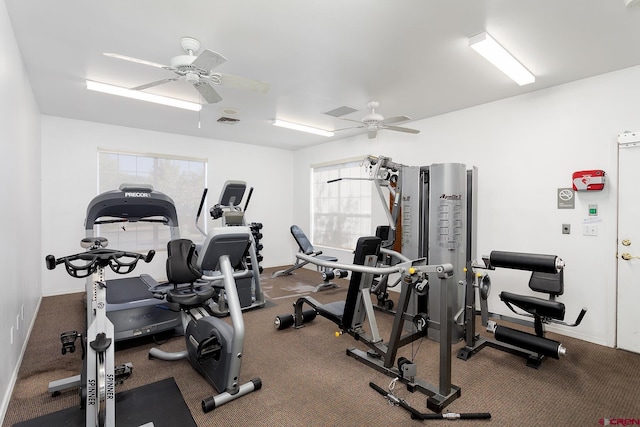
214	348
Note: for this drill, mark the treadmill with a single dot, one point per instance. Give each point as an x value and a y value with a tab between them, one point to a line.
136	305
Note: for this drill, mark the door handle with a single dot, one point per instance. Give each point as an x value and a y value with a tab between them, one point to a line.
627	256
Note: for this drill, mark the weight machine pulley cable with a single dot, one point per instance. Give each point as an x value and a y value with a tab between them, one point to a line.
416	415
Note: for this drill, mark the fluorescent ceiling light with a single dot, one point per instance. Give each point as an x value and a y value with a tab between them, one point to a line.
142	96
486	46
302	128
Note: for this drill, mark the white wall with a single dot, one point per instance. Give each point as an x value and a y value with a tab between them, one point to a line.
69	153
525	148
20	213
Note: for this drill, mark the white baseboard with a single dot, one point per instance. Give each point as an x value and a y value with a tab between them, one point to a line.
14	376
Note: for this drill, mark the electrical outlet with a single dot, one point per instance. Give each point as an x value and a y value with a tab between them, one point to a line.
589	230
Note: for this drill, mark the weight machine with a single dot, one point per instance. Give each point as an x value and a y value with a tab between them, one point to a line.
547	276
431	214
350	315
99	375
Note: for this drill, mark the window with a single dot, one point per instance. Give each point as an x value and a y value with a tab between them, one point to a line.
341	210
182	179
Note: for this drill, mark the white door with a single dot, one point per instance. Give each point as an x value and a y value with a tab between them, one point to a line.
628	335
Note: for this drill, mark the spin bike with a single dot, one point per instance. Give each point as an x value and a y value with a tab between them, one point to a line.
99	375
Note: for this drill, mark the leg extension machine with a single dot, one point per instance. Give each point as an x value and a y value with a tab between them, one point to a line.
547	276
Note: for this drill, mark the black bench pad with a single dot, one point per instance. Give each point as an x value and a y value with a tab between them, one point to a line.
535	306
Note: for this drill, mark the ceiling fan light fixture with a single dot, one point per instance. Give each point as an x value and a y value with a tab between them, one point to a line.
302	128
142	96
493	52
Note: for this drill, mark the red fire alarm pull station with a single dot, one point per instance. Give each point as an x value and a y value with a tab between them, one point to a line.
592	180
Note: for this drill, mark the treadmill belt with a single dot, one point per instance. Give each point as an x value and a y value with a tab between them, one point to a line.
127	289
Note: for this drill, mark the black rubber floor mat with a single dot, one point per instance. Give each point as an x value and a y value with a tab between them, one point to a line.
160	403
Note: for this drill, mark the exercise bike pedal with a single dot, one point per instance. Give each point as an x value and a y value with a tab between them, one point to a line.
122	372
68	340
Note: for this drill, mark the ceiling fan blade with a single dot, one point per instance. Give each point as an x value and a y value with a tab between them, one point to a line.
208	92
401	129
242	82
208	60
136	60
397	119
372	133
156	83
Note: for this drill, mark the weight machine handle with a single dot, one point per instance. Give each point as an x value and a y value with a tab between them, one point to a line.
416	415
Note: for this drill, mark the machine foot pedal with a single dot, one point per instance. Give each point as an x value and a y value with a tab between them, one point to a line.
123	372
68	340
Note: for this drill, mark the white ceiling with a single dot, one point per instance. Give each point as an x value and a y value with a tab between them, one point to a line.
410	55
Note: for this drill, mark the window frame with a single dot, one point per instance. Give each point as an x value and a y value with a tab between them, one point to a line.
343	168
160	234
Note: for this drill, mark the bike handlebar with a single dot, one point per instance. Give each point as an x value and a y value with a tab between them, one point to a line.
97	258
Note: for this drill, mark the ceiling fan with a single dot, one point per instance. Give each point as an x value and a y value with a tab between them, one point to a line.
198	70
375	122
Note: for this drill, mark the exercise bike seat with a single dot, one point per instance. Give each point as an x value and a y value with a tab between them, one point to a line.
534	306
180	269
191	297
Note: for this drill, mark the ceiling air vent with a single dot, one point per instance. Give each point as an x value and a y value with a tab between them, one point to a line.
227	120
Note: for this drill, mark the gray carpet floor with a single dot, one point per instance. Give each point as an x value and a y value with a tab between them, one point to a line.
308	380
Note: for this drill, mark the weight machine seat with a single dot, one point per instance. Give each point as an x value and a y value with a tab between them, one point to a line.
534	306
341	312
332	311
549	283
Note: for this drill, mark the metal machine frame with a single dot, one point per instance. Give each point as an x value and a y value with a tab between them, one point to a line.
99	374
350	317
232	214
214	348
534	347
435	207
